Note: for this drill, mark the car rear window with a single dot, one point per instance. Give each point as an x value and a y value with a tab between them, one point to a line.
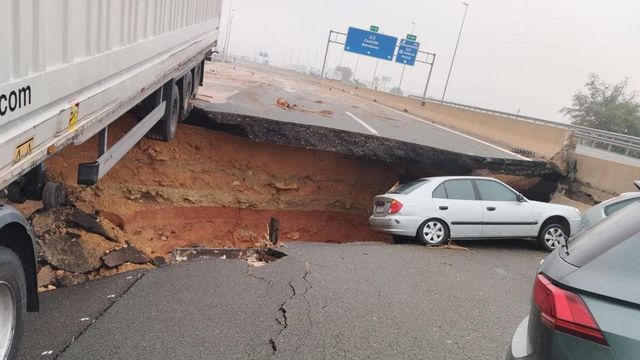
408	187
603	236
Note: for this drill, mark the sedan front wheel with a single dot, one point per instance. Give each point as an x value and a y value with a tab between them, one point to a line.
552	236
433	232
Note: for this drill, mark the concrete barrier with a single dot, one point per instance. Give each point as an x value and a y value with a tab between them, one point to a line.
540	139
606	175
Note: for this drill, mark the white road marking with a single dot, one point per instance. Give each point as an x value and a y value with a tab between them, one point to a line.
453	131
372	130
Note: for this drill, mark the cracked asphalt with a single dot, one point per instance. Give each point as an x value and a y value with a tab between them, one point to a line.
322	301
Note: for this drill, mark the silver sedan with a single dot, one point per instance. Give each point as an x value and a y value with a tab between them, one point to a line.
437	209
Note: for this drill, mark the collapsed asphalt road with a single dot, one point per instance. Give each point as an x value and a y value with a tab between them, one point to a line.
323	301
271	106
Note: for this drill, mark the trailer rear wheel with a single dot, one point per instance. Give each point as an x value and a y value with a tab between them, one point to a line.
15	193
52	195
165	129
187	91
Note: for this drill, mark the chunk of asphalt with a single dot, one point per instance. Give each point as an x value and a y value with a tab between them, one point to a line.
67	251
125	255
59	321
80	219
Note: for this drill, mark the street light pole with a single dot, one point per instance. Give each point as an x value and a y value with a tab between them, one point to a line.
413	29
226	37
374	85
466	7
230	24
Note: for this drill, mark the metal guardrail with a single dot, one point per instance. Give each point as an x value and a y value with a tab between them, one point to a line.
588	136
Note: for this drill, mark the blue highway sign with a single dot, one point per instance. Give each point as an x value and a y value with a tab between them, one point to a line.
407	52
369	43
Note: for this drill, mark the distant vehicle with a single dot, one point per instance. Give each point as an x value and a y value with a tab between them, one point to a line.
585	303
262	58
70	71
601	211
437	209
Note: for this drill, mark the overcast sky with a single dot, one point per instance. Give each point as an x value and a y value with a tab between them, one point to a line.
514	55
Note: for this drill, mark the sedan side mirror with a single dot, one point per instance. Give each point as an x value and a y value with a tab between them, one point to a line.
520	198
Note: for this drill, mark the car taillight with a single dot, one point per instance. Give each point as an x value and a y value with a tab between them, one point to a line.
565	311
395	206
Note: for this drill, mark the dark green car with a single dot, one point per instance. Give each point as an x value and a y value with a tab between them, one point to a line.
586	297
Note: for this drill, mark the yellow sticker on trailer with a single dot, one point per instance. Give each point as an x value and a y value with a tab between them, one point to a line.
23	150
73	117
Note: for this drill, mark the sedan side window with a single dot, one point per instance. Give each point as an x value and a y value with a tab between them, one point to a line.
494	191
440	192
610	209
460	190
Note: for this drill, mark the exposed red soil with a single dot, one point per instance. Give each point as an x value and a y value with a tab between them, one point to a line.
170	227
213	189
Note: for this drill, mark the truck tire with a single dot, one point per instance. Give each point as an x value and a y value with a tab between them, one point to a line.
15	193
165	129
13	296
52	195
187	91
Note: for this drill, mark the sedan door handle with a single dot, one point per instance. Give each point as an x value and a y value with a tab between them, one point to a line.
491	208
443	208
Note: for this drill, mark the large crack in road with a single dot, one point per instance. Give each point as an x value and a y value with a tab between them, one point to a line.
281	314
116	299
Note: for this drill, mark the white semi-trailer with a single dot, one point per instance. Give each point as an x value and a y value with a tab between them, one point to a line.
69	68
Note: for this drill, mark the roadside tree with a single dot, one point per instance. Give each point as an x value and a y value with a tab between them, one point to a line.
345	73
606	107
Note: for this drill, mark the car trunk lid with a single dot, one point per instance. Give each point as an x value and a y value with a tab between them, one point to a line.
382	204
607	257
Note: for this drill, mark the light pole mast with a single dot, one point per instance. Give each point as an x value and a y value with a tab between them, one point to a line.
413	29
466	7
226	38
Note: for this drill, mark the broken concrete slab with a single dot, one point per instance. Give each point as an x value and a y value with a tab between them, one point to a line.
79	219
48	222
55	221
69	252
266	255
69	279
45	276
127	254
